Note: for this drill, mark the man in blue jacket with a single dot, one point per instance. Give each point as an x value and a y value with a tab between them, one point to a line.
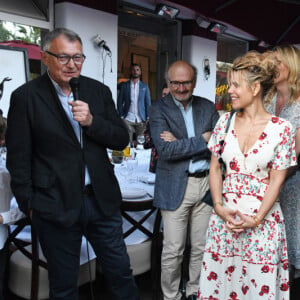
133	102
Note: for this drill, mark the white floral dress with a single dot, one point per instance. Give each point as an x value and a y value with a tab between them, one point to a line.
253	264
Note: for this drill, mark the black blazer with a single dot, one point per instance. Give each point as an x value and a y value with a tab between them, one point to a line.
44	156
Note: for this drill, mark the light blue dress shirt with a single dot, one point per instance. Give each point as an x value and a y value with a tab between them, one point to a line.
67	108
200	165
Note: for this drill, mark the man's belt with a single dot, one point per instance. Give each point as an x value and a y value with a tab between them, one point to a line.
199	174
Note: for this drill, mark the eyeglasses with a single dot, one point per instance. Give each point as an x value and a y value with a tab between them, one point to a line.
186	84
63	59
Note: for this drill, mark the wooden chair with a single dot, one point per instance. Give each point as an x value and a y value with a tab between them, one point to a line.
144	256
28	271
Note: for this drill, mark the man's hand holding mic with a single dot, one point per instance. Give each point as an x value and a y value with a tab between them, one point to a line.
81	112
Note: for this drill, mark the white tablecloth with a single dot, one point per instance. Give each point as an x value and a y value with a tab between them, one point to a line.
141	173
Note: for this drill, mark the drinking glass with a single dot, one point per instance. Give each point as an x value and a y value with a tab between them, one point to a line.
141	140
123	171
132	164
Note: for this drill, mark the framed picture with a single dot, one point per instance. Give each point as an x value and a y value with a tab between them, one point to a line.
14	71
143	61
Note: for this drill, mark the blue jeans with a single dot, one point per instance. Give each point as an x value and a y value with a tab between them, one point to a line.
61	247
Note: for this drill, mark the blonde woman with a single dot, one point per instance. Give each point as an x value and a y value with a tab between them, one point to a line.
284	101
245	253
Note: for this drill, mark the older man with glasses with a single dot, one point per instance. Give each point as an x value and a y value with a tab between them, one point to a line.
60	170
181	125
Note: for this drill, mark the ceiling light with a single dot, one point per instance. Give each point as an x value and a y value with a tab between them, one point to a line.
217	28
166	11
263	44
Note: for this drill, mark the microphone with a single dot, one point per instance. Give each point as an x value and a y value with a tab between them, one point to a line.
101	43
106	48
74	84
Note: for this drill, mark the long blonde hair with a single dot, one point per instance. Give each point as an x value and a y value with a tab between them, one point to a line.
290	57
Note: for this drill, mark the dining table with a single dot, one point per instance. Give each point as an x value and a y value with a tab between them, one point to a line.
136	185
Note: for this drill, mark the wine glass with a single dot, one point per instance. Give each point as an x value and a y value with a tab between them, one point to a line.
123	171
141	140
3	152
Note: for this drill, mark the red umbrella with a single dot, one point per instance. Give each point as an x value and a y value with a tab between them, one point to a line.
34	51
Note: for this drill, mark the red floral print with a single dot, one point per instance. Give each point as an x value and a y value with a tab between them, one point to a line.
245	289
262	136
215	256
284	287
265	289
231	269
253	282
285	266
213	276
265	269
234	166
244	271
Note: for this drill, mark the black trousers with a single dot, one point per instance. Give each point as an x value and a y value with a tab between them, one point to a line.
61	247
3	273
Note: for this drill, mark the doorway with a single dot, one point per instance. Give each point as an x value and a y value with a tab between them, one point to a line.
151	41
138	48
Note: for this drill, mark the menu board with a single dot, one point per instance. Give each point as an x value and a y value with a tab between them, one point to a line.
14	71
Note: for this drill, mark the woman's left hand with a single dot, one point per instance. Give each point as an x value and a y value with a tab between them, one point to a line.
246	222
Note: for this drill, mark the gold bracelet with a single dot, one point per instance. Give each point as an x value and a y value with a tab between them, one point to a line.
256	221
220	203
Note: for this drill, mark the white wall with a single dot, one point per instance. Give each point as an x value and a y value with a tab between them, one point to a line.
194	50
88	22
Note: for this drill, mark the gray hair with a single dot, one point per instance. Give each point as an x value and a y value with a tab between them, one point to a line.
69	34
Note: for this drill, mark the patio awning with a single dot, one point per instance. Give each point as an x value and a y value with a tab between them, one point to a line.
34	51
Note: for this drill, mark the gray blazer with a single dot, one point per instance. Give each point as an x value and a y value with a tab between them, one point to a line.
174	157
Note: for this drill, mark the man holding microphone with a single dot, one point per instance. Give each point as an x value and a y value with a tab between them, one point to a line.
60	170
